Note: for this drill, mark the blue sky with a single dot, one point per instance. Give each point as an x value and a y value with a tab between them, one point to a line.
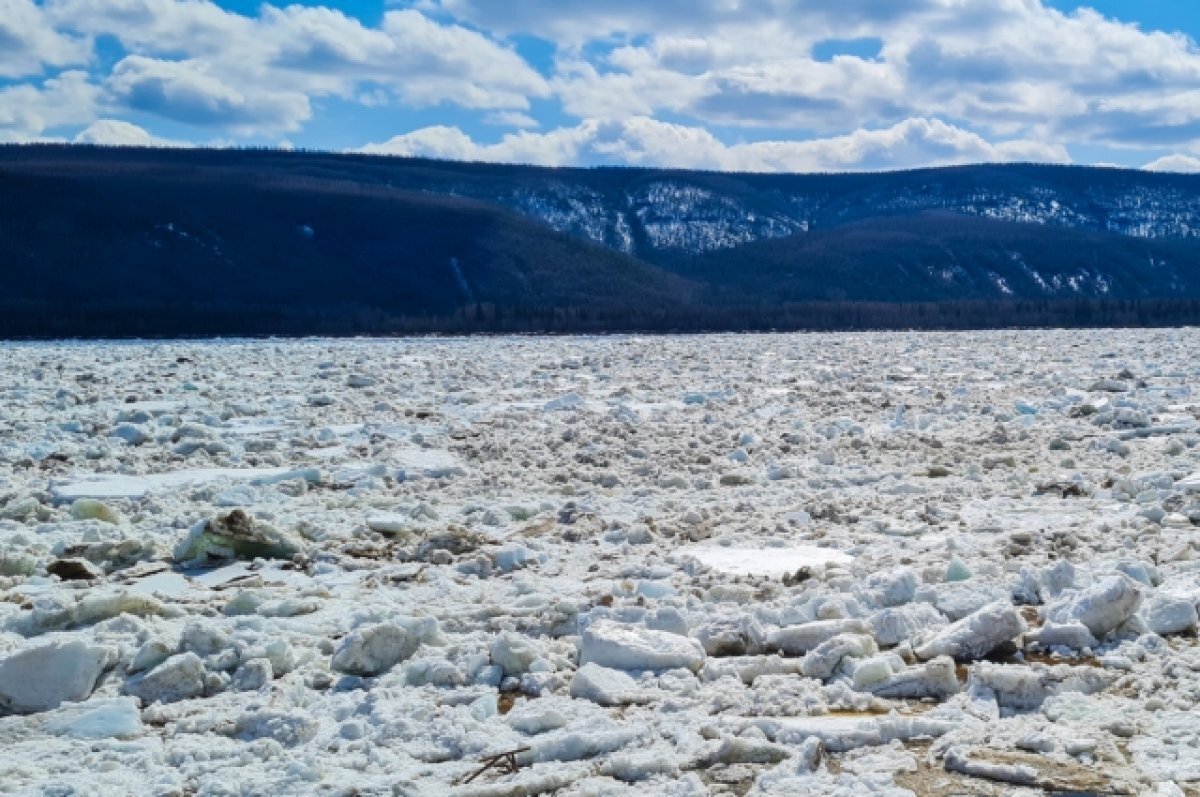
757	85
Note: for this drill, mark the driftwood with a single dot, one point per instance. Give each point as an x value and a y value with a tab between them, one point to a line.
505	762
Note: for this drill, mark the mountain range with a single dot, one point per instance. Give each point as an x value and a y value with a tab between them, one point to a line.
159	242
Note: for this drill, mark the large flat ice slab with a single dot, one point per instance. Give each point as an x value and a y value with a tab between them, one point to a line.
119	485
765	561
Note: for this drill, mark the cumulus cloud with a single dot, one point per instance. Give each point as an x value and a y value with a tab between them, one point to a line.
1007	67
650	142
943	79
27	110
29	41
313	51
188	91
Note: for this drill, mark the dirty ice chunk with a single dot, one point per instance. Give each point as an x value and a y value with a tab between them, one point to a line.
235	535
958	760
41	678
976	635
92	509
627	647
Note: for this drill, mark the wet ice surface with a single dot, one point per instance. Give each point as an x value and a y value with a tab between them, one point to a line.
839	564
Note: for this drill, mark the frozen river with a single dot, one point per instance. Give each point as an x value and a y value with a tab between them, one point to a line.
853	564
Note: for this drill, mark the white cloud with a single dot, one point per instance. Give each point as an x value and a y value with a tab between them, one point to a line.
1184	164
29	42
649	142
188	91
448	63
301	50
1011	71
27	111
1007	68
117	133
578	21
195	27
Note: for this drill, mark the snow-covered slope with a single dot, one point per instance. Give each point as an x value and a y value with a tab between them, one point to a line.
670	212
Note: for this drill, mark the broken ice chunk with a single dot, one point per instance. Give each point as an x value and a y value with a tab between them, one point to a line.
605	686
178	678
370	651
901	623
1165	613
798	639
97	719
1072	635
513	653
935	678
876	670
1026	687
628	647
976	635
1101	607
40	678
822	661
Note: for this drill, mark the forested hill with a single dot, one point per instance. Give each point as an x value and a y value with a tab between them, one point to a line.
98	241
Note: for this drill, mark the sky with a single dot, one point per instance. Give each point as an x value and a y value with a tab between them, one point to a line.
741	85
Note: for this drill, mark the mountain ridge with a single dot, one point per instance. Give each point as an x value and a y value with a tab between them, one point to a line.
378	243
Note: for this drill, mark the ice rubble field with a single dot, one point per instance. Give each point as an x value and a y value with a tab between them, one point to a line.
883	564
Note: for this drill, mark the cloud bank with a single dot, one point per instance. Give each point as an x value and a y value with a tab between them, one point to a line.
757	85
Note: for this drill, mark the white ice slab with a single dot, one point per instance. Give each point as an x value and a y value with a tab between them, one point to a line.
223	575
765	561
119	485
167	583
